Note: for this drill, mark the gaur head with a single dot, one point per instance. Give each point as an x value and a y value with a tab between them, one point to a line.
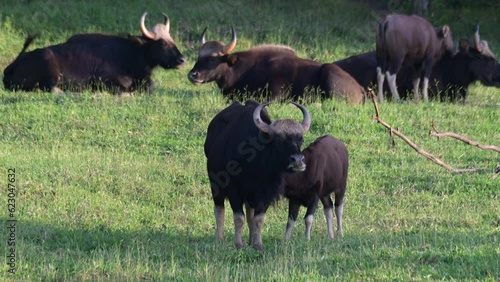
212	57
483	64
285	138
160	47
444	35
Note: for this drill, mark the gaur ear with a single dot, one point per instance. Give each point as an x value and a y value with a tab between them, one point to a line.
445	31
464	45
232	59
135	39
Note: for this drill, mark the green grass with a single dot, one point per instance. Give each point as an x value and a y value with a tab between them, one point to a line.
115	189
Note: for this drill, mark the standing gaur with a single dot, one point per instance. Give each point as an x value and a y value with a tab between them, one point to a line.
247	159
95	61
327	165
450	76
413	41
273	71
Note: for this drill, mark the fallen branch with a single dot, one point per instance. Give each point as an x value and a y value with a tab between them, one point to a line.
413	145
462	138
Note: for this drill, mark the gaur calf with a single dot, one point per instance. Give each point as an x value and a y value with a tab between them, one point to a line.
326	173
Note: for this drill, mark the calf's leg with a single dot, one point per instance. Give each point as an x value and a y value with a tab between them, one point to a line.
339	210
328	209
339	207
308	219
293	212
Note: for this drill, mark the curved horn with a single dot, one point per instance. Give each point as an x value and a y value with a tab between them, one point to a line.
306	122
167	23
229	47
261	125
144	30
477	41
202	40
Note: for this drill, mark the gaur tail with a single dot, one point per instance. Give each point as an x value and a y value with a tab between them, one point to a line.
27	43
380	43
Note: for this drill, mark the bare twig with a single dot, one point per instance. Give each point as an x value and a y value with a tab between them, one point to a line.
462	138
413	145
393	143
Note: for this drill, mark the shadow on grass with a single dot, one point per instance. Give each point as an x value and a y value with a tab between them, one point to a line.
417	253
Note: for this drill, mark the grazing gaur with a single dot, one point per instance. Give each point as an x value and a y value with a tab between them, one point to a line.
95	61
247	158
269	70
413	41
450	76
327	164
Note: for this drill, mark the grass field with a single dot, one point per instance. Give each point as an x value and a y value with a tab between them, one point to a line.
115	189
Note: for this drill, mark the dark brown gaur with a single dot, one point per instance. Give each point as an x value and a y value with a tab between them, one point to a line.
272	71
248	156
327	162
96	61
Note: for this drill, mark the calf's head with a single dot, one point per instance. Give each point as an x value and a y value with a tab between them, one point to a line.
213	56
159	46
285	137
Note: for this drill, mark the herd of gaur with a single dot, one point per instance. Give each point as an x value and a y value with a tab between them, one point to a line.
252	160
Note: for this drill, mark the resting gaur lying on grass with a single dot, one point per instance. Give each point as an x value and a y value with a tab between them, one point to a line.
272	71
96	61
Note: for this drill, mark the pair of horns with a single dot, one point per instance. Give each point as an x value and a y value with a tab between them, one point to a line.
149	34
228	47
269	129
